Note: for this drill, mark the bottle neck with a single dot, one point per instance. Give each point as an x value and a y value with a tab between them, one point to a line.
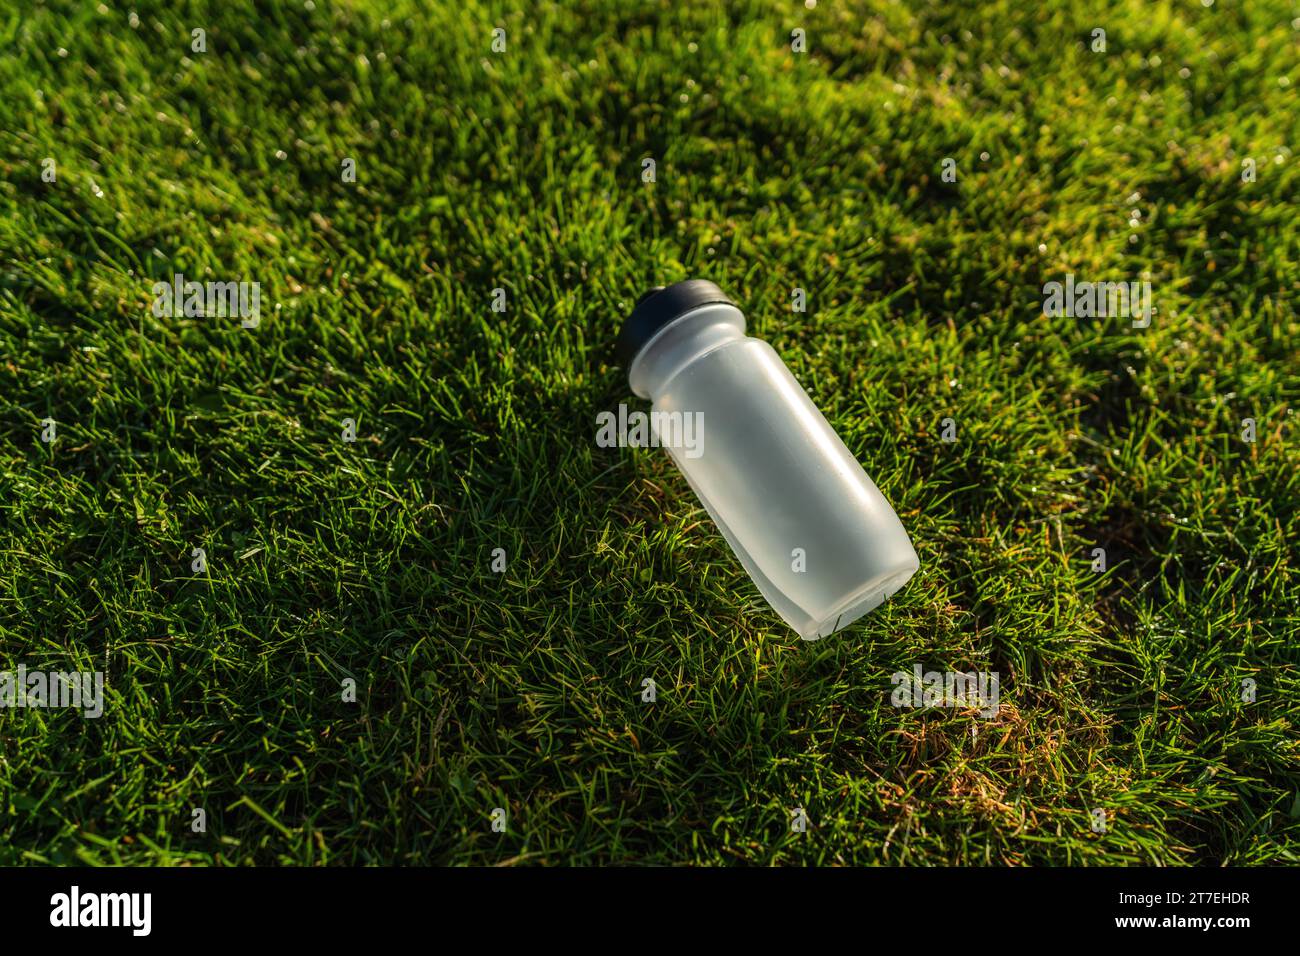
681	342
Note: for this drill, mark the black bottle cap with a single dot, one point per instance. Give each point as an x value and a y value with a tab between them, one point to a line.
660	306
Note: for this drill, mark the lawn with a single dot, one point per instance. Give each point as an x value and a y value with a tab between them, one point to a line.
345	678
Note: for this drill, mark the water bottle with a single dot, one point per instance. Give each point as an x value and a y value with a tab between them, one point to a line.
812	530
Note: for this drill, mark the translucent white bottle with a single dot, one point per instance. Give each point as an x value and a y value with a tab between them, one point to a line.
813	531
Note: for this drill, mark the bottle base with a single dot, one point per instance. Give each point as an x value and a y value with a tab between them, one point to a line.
861	602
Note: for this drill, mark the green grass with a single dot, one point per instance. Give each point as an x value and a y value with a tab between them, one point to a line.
521	170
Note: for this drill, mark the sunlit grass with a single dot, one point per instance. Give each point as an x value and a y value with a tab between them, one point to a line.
370	561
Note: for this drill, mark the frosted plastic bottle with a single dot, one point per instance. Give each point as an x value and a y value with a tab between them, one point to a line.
813	531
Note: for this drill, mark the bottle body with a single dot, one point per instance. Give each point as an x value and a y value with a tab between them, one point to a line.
812	530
